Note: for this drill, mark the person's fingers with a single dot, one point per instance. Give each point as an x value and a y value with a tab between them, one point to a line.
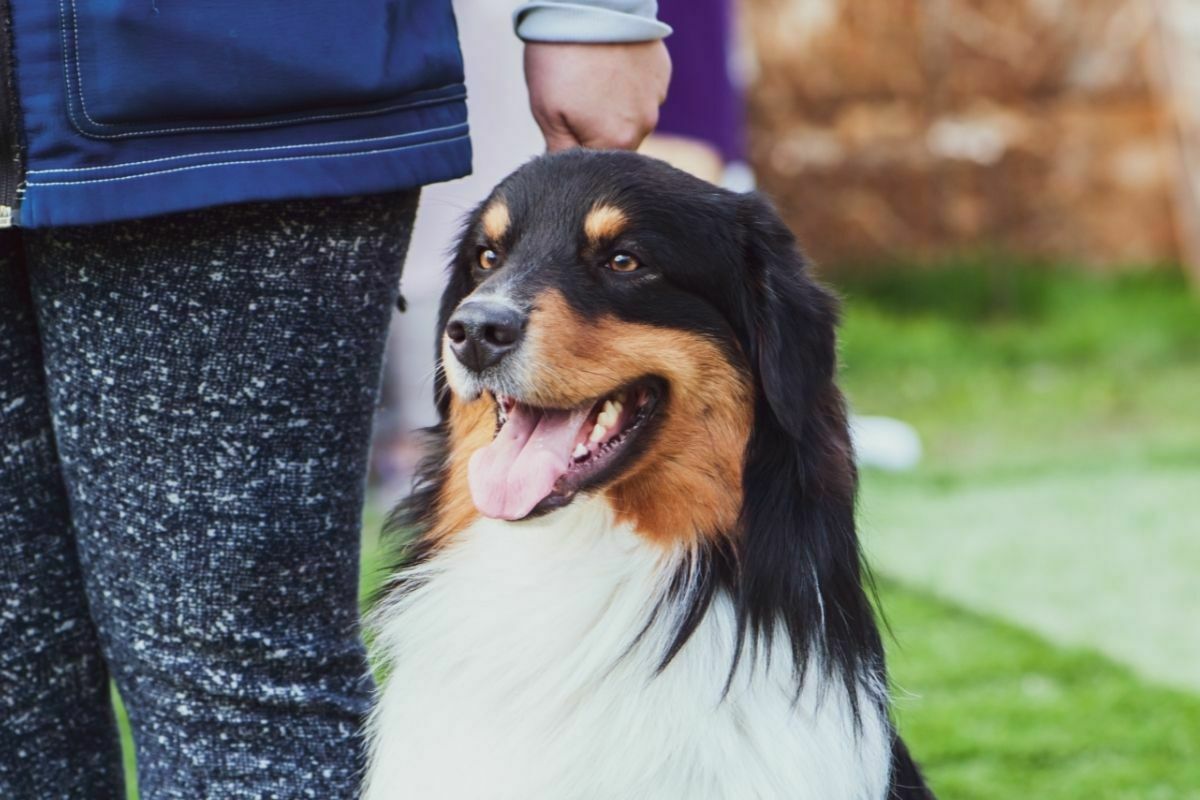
553	124
556	143
596	96
559	136
607	131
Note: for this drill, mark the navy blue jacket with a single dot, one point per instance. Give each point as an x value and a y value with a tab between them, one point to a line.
115	109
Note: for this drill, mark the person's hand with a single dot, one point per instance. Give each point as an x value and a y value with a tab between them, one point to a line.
596	95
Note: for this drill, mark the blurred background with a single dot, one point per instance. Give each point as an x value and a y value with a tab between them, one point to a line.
1007	195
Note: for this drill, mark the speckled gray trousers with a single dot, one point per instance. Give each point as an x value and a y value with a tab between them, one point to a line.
185	409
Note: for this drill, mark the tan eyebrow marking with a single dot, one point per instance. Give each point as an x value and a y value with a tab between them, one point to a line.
604	221
496	220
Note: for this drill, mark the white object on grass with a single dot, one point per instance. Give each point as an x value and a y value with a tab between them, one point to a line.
885	443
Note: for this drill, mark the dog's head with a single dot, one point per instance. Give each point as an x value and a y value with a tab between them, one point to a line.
615	326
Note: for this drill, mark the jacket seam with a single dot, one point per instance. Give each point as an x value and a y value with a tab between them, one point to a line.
310	157
337	143
77	87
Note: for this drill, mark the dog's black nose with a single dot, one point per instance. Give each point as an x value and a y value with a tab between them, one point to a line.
481	332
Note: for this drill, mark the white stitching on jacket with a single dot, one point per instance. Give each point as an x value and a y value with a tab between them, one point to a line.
443	129
247	161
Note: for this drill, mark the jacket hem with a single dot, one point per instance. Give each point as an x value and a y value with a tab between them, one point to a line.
111	198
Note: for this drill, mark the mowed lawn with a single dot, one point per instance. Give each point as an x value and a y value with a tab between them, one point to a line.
1037	571
1055	518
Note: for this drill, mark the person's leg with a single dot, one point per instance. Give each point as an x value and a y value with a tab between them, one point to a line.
212	378
57	734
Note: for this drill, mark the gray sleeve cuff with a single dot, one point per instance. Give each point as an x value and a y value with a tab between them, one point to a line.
602	21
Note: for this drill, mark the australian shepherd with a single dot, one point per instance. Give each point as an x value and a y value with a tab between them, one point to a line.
635	573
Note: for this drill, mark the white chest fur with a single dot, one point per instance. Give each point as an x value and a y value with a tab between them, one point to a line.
517	672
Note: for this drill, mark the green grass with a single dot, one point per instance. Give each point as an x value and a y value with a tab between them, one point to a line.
1060	413
1013	368
994	712
1061	418
1104	557
131	790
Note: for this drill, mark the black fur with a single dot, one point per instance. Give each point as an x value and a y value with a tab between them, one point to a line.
723	265
798	561
907	781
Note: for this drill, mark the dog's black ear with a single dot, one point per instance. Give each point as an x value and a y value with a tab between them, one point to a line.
799	562
792	333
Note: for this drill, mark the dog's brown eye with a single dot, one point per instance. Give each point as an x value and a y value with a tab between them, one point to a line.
488	258
623	262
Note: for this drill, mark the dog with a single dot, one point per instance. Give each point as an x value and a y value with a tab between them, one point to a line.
635	571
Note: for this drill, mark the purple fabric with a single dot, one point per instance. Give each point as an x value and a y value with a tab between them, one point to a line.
703	102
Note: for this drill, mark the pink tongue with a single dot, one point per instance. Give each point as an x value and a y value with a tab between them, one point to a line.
520	467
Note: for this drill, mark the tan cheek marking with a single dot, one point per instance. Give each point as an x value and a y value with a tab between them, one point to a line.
604	222
495	220
472	426
688	484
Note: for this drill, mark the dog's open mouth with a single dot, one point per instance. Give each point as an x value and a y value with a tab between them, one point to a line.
542	457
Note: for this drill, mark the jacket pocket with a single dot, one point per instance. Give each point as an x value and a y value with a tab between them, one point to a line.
141	67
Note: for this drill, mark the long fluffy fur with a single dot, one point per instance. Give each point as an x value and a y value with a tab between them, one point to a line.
571	656
532	638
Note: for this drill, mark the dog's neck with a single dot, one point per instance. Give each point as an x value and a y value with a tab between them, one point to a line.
548	636
596	577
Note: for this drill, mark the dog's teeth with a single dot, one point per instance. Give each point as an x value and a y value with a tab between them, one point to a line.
580	451
610	413
597	433
608	416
